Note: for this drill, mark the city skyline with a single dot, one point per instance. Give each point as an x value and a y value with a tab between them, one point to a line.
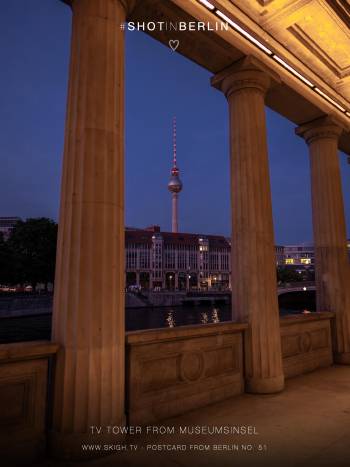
32	118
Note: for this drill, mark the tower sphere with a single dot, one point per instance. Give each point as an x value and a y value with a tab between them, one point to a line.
175	184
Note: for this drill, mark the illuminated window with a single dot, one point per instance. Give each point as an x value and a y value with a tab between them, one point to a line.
305	260
289	261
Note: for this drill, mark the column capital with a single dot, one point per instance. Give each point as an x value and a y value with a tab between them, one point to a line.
244	74
325	127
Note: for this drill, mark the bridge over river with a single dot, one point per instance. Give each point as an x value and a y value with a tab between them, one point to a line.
24	304
197	297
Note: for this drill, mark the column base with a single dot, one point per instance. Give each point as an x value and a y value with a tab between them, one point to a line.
264	385
69	446
342	358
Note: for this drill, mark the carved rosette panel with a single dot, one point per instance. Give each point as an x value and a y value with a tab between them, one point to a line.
192	370
306	346
191	366
23	391
305	342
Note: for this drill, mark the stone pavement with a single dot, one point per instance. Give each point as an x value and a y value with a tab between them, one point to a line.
306	425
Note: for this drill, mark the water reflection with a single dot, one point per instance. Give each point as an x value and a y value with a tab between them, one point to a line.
165	317
215	315
170	319
39	327
204	318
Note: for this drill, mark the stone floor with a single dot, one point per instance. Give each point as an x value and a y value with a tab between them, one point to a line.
306	425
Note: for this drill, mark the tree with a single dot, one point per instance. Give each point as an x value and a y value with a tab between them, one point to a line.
288	274
33	245
7	272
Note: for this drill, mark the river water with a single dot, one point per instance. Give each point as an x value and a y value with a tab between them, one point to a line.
167	317
38	326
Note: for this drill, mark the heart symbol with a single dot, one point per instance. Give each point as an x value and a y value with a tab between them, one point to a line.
174	44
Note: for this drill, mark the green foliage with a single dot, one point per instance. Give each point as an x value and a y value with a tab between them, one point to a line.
7	273
29	253
290	274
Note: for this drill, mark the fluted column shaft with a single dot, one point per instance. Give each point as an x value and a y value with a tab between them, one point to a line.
331	256
88	318
254	285
175	197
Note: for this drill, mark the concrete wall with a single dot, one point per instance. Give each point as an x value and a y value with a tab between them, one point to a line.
23	399
306	343
172	371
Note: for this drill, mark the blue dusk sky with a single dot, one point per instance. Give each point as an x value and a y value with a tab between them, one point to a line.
34	57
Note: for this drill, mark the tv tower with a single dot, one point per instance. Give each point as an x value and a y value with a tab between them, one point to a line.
175	184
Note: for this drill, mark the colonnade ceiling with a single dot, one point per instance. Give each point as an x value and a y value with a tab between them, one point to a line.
311	37
317	32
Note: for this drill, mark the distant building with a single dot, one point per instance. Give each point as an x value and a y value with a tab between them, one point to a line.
176	261
7	224
302	255
280	260
299	255
185	261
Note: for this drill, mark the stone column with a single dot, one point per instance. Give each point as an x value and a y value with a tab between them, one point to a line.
137	278
88	318
331	256
254	284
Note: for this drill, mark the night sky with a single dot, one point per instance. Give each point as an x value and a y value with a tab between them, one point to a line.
34	54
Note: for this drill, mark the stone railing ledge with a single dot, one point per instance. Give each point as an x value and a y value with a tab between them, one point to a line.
301	318
199	330
27	350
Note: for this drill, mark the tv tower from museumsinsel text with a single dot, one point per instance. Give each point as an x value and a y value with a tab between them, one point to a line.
175	184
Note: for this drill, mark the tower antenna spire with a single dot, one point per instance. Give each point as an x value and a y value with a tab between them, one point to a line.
174	142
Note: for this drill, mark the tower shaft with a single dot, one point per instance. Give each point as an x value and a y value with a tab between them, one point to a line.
174	222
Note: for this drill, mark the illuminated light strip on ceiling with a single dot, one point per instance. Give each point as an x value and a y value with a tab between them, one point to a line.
275	57
207	4
243	32
292	70
330	99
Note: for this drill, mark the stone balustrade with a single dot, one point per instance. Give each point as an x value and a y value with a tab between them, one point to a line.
172	371
24	370
168	372
306	342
